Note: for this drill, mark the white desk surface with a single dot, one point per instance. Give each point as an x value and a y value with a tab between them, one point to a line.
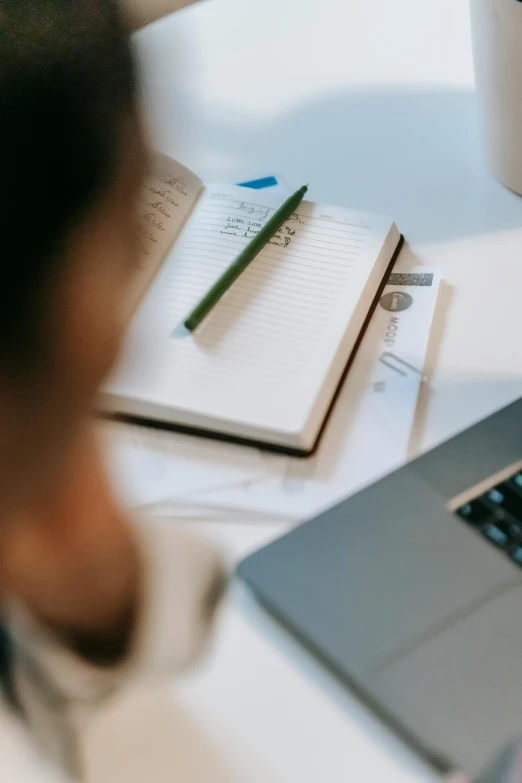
372	103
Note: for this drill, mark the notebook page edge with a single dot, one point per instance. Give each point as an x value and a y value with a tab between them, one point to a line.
336	376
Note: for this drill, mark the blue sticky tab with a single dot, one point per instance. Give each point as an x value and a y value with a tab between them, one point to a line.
259	184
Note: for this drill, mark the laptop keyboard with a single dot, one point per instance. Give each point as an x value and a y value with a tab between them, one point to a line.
497	515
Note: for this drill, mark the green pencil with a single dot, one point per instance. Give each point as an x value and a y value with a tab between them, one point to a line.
229	277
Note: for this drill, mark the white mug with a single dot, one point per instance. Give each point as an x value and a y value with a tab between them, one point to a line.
497	49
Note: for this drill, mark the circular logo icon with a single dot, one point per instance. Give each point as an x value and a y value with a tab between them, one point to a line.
396	301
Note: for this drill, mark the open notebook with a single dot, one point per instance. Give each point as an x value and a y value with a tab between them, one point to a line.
265	365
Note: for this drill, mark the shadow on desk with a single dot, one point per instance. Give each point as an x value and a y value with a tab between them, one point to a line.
412	153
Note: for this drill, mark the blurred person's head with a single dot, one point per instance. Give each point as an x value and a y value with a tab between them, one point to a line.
71	161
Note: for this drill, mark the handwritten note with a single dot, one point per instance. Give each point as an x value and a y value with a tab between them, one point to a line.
248	227
167	197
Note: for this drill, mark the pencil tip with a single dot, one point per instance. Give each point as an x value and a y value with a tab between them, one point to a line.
180	331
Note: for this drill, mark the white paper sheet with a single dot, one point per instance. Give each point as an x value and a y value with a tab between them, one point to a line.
148	466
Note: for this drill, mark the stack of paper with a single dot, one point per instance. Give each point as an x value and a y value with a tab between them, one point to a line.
367	436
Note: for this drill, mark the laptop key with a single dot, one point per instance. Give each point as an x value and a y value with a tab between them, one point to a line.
514	528
507	499
475	512
498	534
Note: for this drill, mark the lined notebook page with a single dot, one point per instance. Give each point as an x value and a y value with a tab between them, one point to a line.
263	353
167	196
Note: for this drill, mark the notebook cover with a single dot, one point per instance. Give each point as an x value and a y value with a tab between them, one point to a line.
263	445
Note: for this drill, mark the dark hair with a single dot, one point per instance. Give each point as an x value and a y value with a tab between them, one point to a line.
67	83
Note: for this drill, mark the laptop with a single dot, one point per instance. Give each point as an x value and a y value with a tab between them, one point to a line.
411	593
